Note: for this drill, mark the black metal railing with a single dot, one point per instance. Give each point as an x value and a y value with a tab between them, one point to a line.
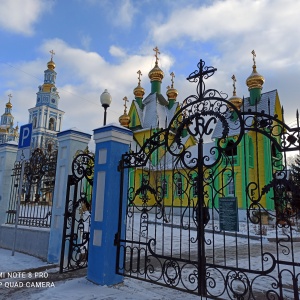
36	191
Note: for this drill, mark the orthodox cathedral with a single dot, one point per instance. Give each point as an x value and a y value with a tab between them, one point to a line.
254	159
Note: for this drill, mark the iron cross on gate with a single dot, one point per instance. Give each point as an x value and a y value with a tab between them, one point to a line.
203	73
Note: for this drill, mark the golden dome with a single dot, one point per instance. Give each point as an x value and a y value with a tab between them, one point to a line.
51	64
156	74
8	105
255	80
124	120
172	93
139	92
235	100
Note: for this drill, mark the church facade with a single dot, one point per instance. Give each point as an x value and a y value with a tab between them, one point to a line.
254	159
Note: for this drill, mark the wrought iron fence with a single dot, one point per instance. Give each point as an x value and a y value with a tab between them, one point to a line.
37	189
175	235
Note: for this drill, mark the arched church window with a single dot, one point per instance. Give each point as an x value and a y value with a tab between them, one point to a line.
34	122
51	124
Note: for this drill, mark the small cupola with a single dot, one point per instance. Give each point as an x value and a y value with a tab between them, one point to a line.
156	75
172	93
125	119
139	92
255	82
51	63
235	100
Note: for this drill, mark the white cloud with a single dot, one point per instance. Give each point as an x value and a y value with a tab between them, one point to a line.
20	15
85	40
117	51
125	12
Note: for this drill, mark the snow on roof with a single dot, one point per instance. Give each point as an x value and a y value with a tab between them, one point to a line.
156	112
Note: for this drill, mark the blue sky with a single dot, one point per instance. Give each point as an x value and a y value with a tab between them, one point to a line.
101	44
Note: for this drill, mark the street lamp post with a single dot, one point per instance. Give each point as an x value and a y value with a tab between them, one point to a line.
105	100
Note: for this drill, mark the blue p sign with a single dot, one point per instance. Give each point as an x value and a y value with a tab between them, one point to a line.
25	136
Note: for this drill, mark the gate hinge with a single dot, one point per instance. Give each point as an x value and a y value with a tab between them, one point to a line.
117	239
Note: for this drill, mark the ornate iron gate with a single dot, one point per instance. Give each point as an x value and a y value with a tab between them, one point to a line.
37	189
182	229
76	232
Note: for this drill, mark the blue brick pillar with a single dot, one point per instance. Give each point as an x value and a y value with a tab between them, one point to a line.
111	142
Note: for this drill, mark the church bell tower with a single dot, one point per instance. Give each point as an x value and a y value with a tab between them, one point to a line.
45	117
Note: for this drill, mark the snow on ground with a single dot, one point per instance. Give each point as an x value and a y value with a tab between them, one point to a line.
130	289
78	288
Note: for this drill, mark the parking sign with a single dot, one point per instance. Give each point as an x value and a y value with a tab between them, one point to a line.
25	136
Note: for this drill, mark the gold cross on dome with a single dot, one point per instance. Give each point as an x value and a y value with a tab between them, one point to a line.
254	55
156	50
9	97
234	81
125	100
139	78
52	53
172	79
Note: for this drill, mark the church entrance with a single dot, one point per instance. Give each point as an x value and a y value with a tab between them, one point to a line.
215	218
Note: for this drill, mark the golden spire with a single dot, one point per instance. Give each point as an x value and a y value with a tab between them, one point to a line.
235	100
51	64
171	92
8	104
255	80
125	119
139	91
156	74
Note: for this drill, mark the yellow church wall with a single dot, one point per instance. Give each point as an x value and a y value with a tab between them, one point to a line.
172	197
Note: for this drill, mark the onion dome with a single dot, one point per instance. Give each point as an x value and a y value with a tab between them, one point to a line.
9	105
171	92
125	119
51	65
156	74
139	92
235	100
255	80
